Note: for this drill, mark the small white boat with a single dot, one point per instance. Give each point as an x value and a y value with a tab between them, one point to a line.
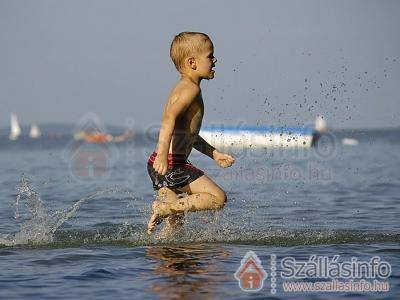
15	131
349	142
35	132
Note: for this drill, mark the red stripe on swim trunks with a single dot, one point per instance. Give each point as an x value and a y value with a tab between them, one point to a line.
173	159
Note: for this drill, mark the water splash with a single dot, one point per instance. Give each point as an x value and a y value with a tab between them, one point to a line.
227	227
41	226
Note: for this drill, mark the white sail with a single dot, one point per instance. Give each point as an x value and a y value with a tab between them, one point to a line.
15	128
320	124
35	132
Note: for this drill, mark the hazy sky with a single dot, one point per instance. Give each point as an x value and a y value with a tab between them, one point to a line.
279	62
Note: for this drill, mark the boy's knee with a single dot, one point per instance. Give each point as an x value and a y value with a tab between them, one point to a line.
221	199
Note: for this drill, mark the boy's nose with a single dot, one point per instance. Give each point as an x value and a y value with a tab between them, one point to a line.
215	60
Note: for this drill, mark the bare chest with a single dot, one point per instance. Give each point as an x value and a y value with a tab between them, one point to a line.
193	116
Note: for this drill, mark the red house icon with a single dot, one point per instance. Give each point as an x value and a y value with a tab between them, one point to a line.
90	161
251	274
90	164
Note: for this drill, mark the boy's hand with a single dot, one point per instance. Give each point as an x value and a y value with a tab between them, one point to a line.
161	164
222	159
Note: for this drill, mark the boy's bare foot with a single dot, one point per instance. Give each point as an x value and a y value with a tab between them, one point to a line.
161	210
155	219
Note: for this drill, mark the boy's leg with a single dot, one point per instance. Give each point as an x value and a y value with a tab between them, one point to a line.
166	195
205	194
173	223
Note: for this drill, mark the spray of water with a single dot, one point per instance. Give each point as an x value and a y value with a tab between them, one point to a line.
41	226
225	226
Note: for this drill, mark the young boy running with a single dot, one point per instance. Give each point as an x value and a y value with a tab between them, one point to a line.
168	167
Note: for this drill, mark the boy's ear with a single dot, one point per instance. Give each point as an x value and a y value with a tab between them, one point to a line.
192	63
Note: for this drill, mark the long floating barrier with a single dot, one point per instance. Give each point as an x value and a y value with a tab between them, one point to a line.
260	136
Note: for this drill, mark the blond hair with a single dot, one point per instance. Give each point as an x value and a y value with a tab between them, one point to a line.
185	45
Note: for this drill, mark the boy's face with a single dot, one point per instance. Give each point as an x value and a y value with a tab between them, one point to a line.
205	61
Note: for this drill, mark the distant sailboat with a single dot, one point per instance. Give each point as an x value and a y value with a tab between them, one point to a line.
320	124
15	128
35	132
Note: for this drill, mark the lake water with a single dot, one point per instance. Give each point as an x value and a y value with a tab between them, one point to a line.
72	232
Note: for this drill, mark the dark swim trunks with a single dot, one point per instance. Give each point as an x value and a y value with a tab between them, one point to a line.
180	172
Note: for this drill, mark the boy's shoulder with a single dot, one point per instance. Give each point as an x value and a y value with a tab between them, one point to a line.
186	88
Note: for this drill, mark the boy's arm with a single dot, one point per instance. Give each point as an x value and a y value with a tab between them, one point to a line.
202	146
222	159
171	112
